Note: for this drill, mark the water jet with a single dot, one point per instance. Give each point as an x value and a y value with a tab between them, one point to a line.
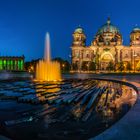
46	69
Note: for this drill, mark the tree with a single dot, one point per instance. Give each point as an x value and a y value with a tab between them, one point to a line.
110	66
31	65
75	66
84	66
121	66
64	64
27	65
92	66
129	66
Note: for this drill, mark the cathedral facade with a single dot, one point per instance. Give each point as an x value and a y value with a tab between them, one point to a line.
106	51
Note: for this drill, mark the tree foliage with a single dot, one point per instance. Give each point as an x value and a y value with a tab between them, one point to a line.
92	66
84	66
64	64
110	66
120	66
129	66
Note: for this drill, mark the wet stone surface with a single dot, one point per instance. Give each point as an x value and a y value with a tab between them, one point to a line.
70	109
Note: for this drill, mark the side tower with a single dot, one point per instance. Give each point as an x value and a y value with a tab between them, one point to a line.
77	47
135	48
135	37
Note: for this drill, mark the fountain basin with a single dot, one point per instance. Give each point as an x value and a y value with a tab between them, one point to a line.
70	109
8	75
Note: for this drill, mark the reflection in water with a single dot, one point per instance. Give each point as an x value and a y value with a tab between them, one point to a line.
70	109
114	100
48	91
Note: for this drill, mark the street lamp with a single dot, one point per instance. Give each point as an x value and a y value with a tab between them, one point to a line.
63	67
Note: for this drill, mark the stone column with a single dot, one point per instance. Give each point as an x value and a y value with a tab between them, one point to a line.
132	64
80	60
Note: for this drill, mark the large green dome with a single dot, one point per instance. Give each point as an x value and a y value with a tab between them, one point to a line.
107	35
108	27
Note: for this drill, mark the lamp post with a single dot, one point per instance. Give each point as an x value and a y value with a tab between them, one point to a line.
63	67
71	68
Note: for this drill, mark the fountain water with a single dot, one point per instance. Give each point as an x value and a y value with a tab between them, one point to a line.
46	69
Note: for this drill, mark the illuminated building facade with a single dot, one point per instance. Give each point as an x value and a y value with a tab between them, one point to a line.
12	63
106	50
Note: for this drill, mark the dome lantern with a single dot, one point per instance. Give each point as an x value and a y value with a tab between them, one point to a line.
108	21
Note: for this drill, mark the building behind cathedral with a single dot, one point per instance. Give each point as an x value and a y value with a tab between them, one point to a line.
106	51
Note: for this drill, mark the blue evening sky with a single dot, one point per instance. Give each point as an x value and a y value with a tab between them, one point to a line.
23	23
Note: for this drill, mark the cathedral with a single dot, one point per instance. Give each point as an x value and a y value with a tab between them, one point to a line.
106	51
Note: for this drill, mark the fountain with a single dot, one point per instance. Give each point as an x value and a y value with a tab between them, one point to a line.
47	70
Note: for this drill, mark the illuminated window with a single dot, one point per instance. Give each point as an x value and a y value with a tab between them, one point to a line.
0	62
15	65
19	64
8	64
4	62
11	62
